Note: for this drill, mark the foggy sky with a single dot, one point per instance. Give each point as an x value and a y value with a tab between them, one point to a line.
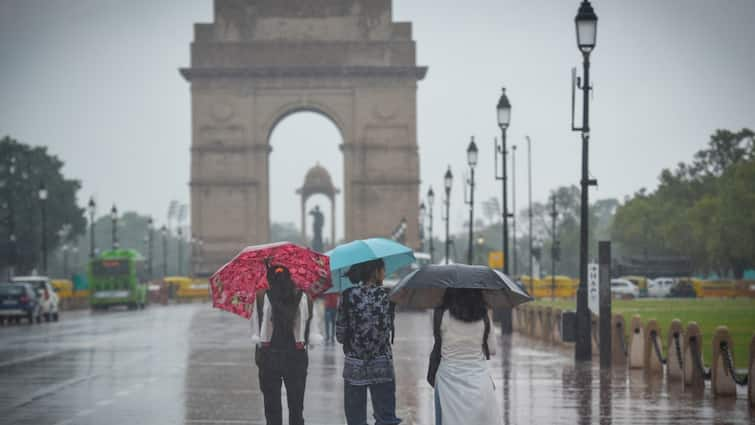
97	82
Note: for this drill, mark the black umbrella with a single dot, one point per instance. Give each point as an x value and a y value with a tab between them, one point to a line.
424	288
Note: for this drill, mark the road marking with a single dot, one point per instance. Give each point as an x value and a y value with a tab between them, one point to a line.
85	412
64	422
123	393
52	389
105	402
31	358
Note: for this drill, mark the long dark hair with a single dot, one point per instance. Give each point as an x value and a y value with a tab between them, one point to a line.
282	295
464	304
363	272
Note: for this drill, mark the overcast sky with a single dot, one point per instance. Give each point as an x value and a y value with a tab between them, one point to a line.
97	82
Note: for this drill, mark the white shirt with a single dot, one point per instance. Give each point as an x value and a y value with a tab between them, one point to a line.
263	334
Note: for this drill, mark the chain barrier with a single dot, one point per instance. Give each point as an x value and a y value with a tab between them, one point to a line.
739	380
678	348
695	353
657	349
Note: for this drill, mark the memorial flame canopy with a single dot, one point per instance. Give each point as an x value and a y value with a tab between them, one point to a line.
262	60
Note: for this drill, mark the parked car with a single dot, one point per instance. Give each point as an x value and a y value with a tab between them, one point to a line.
623	288
19	301
660	287
683	288
48	298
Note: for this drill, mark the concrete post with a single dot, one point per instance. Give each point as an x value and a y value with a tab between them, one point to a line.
653	365
674	365
636	344
556	326
548	324
751	373
721	380
693	379
618	341
604	260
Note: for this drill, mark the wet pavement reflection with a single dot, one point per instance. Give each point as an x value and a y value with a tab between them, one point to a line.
189	364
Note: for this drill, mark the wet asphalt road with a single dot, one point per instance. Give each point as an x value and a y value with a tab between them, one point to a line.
188	364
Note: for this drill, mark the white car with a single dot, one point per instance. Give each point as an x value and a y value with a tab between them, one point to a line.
660	287
46	293
623	288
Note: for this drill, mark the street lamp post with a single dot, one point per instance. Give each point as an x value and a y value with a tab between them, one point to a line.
180	251
422	213
448	180
529	212
555	248
150	244
164	232
503	110
43	202
586	25
430	202
92	210
472	162
114	221
513	209
11	216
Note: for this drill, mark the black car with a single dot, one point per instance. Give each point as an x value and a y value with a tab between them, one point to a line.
18	301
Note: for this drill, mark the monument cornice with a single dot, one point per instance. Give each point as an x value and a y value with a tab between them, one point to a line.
216	148
223	183
386	181
305	71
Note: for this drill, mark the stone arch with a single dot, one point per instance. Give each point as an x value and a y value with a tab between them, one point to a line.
345	60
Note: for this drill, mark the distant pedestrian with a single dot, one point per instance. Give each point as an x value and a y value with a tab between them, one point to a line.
365	327
331	309
464	341
281	330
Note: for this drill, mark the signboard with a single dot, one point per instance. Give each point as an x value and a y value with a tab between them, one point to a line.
495	259
593	279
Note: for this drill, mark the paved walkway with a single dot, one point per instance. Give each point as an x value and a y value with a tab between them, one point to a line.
193	365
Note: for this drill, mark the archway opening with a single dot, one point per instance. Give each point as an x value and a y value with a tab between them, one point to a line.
301	141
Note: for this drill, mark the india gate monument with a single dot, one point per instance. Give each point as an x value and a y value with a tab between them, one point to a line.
262	60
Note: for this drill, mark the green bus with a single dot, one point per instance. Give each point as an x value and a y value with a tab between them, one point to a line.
117	277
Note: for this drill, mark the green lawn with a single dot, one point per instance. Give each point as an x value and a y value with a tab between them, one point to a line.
709	313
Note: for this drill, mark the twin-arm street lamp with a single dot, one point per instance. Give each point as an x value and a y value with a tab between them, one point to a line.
114	221
586	25
43	201
92	207
430	202
448	180
472	162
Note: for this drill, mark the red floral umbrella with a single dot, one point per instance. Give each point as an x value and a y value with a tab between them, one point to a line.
235	285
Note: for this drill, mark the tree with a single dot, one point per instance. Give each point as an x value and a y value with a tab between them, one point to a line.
22	170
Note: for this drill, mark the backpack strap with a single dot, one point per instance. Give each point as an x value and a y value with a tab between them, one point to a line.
260	309
434	363
485	334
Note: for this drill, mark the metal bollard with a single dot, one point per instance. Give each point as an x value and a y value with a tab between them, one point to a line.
694	373
618	341
751	373
652	356
674	362
514	315
721	379
536	322
636	344
531	321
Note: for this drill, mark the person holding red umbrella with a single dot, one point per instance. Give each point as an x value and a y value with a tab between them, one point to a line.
281	329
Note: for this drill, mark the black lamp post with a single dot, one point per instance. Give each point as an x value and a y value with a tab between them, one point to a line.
164	232
92	207
586	25
114	221
43	202
150	245
430	202
472	162
448	180
513	209
422	213
179	242
504	119
503	112
11	216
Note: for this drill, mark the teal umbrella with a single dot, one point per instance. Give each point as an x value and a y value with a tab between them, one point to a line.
344	256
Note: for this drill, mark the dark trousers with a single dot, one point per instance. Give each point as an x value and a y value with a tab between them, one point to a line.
383	397
330	324
290	368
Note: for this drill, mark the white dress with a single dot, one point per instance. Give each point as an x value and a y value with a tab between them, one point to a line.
463	384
